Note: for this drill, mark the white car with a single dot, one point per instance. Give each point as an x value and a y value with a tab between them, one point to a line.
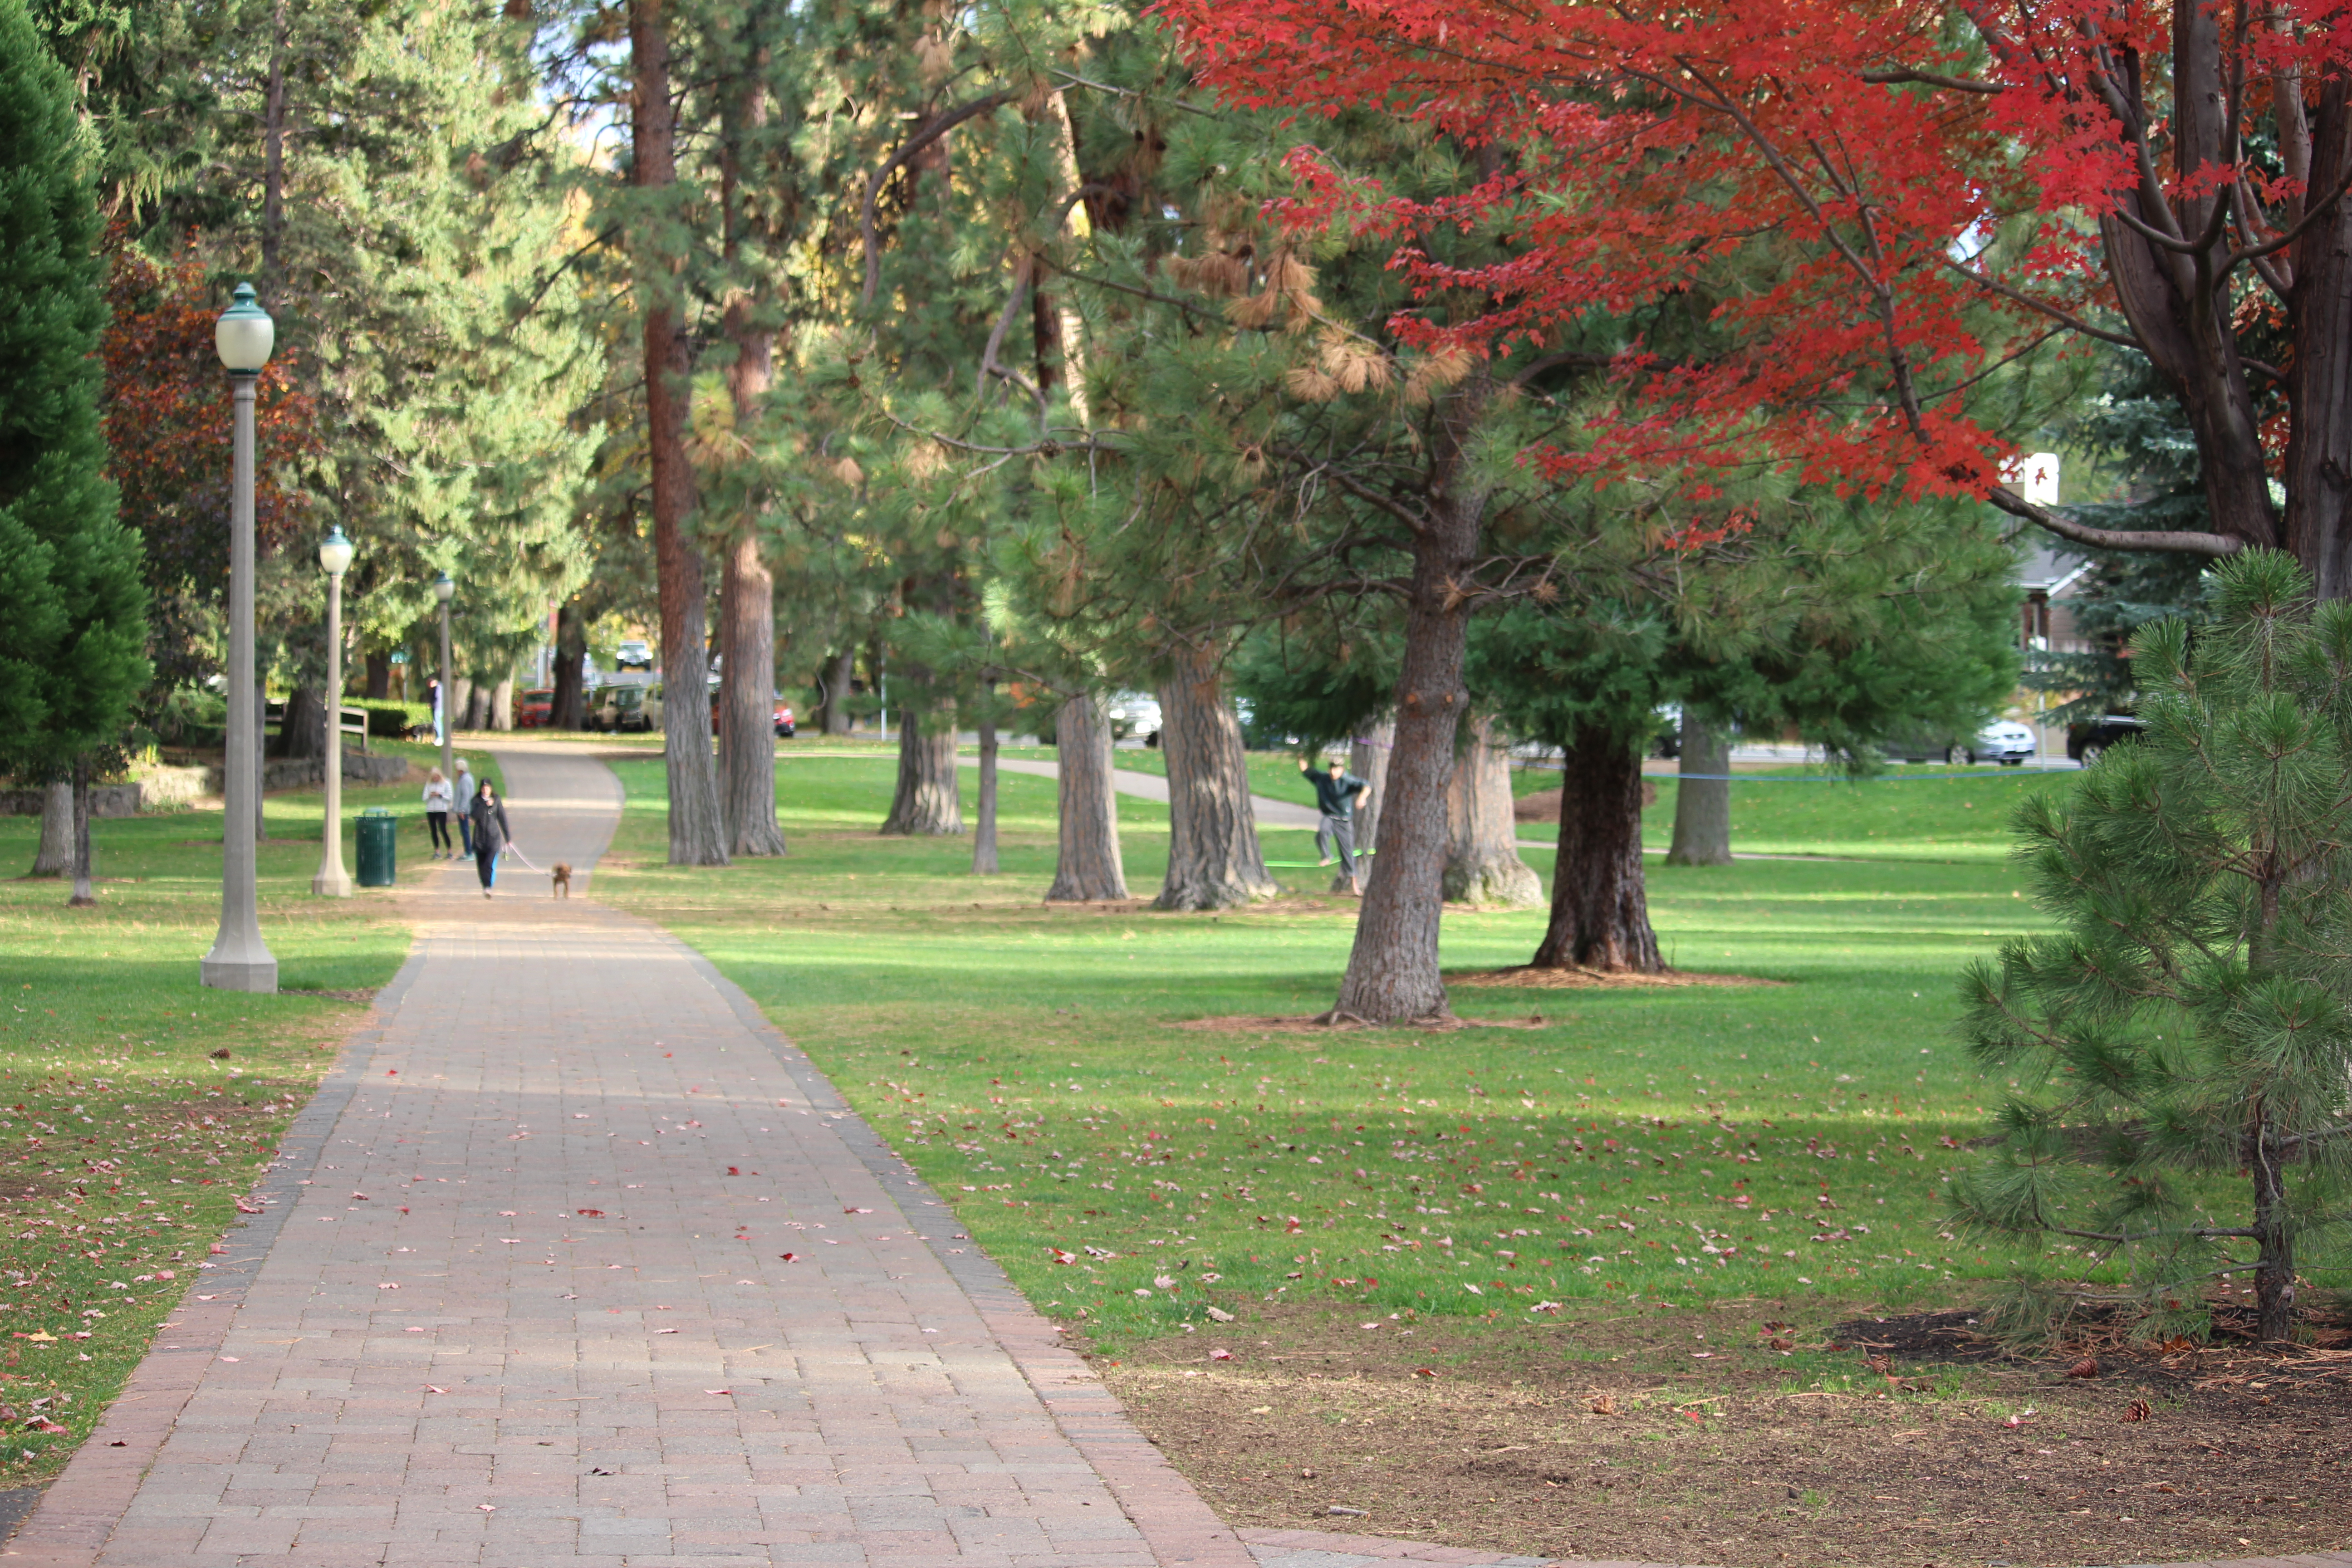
2004	742
1135	713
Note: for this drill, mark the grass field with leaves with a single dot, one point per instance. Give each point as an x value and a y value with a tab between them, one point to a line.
1047	1069
135	1105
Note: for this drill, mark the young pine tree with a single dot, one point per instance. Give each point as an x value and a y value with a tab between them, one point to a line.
72	647
2186	1036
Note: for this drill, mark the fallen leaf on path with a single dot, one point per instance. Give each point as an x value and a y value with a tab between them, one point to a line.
1221	1355
431	1388
1219	1315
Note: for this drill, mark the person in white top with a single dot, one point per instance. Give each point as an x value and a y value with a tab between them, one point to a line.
439	799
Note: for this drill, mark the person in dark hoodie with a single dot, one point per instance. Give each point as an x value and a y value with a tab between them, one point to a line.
487	816
1335	792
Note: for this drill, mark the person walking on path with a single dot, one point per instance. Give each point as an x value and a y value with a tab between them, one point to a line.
1335	792
439	799
465	806
490	832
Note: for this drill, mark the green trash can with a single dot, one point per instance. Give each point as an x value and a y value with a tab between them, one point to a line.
379	846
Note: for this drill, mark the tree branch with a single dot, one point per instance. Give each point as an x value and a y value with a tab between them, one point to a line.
1931	79
940	126
2179	541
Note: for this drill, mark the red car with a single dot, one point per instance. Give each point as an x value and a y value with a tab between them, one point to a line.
533	710
786	729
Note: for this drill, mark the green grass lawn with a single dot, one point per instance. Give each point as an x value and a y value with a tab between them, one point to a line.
1654	1144
1906	813
124	1140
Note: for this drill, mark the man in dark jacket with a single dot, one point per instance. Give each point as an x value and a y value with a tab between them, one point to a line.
1334	797
488	817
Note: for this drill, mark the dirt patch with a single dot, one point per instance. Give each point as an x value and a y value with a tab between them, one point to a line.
1528	977
1324	1023
1688	1436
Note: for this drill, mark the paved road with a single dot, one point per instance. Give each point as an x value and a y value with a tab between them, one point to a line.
561	1329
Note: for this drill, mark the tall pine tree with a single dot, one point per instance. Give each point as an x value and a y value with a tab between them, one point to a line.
72	646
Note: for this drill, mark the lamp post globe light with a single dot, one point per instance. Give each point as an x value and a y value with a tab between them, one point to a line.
334	559
444	589
239	959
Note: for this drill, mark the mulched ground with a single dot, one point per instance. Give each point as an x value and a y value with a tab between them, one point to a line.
1694	1435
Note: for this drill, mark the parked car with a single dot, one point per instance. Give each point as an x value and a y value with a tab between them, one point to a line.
2005	742
634	654
533	709
784	726
2088	739
614	709
1923	747
1135	713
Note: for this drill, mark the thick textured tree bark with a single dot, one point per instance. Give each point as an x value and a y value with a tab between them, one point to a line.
1702	798
478	705
1392	972
303	732
82	896
929	800
567	707
1088	867
747	590
696	834
1600	905
1213	859
839	673
983	834
379	677
55	857
502	705
1483	864
1368	759
460	703
747	701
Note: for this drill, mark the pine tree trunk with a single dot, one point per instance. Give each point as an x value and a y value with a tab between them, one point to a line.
1368	759
82	896
1088	867
697	835
747	590
460	703
839	673
379	677
929	800
1483	865
303	732
1213	859
55	857
747	639
2274	1288
1703	803
1392	974
983	836
1600	905
502	705
567	709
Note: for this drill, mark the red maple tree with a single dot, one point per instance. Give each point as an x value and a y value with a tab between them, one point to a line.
1929	189
167	417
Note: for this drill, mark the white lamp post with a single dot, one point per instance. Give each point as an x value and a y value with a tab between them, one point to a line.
239	959
444	589
334	559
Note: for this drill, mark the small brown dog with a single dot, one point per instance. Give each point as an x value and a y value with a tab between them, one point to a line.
560	879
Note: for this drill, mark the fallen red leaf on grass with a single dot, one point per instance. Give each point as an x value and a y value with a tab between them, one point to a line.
1424	1372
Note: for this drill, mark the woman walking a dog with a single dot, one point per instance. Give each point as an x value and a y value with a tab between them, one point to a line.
487	816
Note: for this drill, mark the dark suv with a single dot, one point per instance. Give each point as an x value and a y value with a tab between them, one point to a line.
2088	739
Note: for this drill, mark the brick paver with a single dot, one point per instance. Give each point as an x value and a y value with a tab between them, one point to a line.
575	1262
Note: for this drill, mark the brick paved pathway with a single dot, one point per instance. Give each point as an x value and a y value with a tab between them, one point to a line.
562	1328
